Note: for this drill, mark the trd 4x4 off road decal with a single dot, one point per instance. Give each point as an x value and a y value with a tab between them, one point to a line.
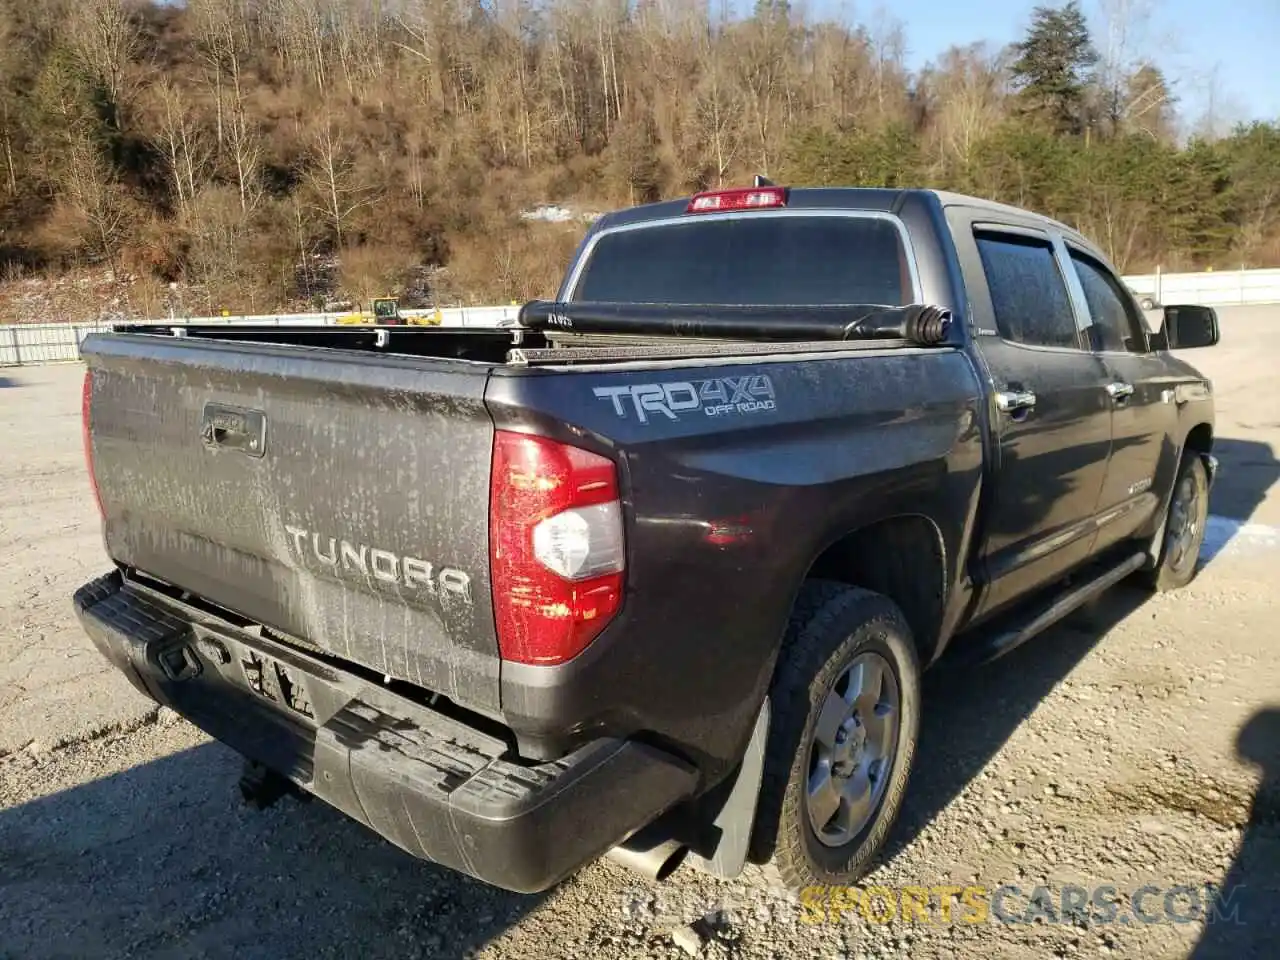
722	396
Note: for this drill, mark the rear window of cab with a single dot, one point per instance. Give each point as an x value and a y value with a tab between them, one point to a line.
750	260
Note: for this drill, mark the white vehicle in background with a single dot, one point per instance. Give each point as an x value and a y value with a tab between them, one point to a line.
1145	300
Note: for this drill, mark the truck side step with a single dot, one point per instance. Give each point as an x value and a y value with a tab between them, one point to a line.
1001	643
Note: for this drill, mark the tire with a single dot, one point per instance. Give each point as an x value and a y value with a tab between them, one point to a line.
1179	548
838	636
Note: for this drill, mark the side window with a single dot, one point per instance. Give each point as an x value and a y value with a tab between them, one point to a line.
1114	324
1028	293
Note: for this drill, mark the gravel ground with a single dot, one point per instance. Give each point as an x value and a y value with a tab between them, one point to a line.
1136	744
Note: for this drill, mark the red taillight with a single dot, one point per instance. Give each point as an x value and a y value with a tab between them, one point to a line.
555	546
86	395
744	198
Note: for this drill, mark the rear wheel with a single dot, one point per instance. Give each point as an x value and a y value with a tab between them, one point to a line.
846	709
1184	528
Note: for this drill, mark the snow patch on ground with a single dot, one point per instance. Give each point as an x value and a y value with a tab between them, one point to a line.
1227	535
554	213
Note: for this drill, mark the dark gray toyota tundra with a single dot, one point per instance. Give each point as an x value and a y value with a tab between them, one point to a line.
654	573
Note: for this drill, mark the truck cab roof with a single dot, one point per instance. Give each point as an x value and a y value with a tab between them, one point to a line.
883	199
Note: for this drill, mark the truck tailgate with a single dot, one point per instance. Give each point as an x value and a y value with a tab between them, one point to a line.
339	498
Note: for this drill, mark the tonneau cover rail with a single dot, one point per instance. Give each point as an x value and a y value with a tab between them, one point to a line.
921	324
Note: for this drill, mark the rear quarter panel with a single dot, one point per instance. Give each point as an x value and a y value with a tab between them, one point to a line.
735	478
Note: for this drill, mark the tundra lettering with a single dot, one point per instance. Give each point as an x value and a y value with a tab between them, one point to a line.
382	565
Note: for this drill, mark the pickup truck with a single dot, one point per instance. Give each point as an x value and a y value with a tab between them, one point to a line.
654	573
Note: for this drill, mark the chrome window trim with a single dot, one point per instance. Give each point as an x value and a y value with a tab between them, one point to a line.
1086	315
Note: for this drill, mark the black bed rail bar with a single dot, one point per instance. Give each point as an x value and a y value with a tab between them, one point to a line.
919	324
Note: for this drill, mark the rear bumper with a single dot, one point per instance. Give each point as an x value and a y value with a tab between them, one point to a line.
430	783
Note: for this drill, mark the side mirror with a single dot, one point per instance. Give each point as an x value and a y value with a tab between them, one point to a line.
1186	327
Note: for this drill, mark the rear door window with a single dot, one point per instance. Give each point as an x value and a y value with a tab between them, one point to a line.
751	260
1028	293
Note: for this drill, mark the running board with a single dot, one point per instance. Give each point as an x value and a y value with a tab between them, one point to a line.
1002	643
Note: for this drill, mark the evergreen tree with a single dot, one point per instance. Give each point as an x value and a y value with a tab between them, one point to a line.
1194	202
888	157
1253	199
1052	65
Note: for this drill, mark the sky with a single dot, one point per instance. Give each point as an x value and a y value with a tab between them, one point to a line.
1236	42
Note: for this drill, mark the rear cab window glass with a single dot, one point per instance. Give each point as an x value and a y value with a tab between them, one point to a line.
1115	323
1028	293
751	260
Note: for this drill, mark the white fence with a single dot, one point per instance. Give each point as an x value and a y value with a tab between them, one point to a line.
22	344
1212	289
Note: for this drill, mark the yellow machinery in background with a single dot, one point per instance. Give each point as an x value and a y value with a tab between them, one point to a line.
432	319
386	312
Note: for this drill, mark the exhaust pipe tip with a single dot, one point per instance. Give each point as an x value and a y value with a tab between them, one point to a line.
656	860
672	863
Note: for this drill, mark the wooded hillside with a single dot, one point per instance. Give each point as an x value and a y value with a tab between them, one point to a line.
269	152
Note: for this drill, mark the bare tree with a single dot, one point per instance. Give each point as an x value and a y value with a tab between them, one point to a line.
223	41
97	200
360	28
12	56
1219	110
888	46
218	232
301	30
8	128
1148	104
338	191
966	87
510	101
1123	108
218	42
427	25
841	75
245	150
560	68
179	138
415	157
105	41
762	47
718	106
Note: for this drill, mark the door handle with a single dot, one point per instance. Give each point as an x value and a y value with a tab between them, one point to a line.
231	428
1009	401
1119	390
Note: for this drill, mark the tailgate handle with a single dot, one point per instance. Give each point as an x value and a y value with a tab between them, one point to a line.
235	429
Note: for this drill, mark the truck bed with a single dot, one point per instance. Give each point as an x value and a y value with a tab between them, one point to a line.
360	528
